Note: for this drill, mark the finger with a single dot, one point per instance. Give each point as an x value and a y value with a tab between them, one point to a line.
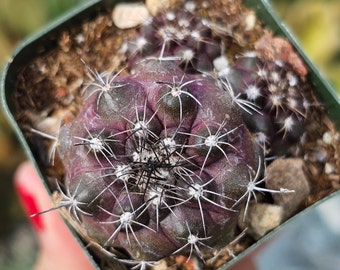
246	263
58	248
249	261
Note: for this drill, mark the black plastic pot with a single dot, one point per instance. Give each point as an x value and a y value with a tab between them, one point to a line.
46	39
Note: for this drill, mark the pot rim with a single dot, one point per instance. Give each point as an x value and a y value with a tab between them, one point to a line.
23	54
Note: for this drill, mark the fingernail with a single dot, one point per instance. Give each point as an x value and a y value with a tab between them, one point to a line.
30	207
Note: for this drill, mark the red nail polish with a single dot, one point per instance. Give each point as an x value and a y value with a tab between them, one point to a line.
30	207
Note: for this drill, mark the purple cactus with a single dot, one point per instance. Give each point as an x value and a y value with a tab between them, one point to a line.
274	105
164	153
164	166
180	35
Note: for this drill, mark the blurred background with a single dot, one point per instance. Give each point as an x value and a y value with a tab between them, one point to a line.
18	19
315	23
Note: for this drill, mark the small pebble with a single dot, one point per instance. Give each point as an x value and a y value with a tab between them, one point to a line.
250	21
190	6
327	138
319	154
261	218
288	174
129	15
154	6
160	265
329	168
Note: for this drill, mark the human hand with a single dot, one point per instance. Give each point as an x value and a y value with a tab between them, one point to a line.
58	249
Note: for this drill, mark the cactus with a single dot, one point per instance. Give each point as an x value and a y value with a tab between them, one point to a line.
274	105
154	149
165	152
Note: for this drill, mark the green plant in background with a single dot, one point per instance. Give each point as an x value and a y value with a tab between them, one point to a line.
317	28
32	14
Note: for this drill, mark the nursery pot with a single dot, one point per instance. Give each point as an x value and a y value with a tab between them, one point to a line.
45	40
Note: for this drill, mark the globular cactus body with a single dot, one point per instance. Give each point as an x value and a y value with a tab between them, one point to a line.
166	164
278	106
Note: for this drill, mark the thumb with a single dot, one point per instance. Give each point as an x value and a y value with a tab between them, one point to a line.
58	248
